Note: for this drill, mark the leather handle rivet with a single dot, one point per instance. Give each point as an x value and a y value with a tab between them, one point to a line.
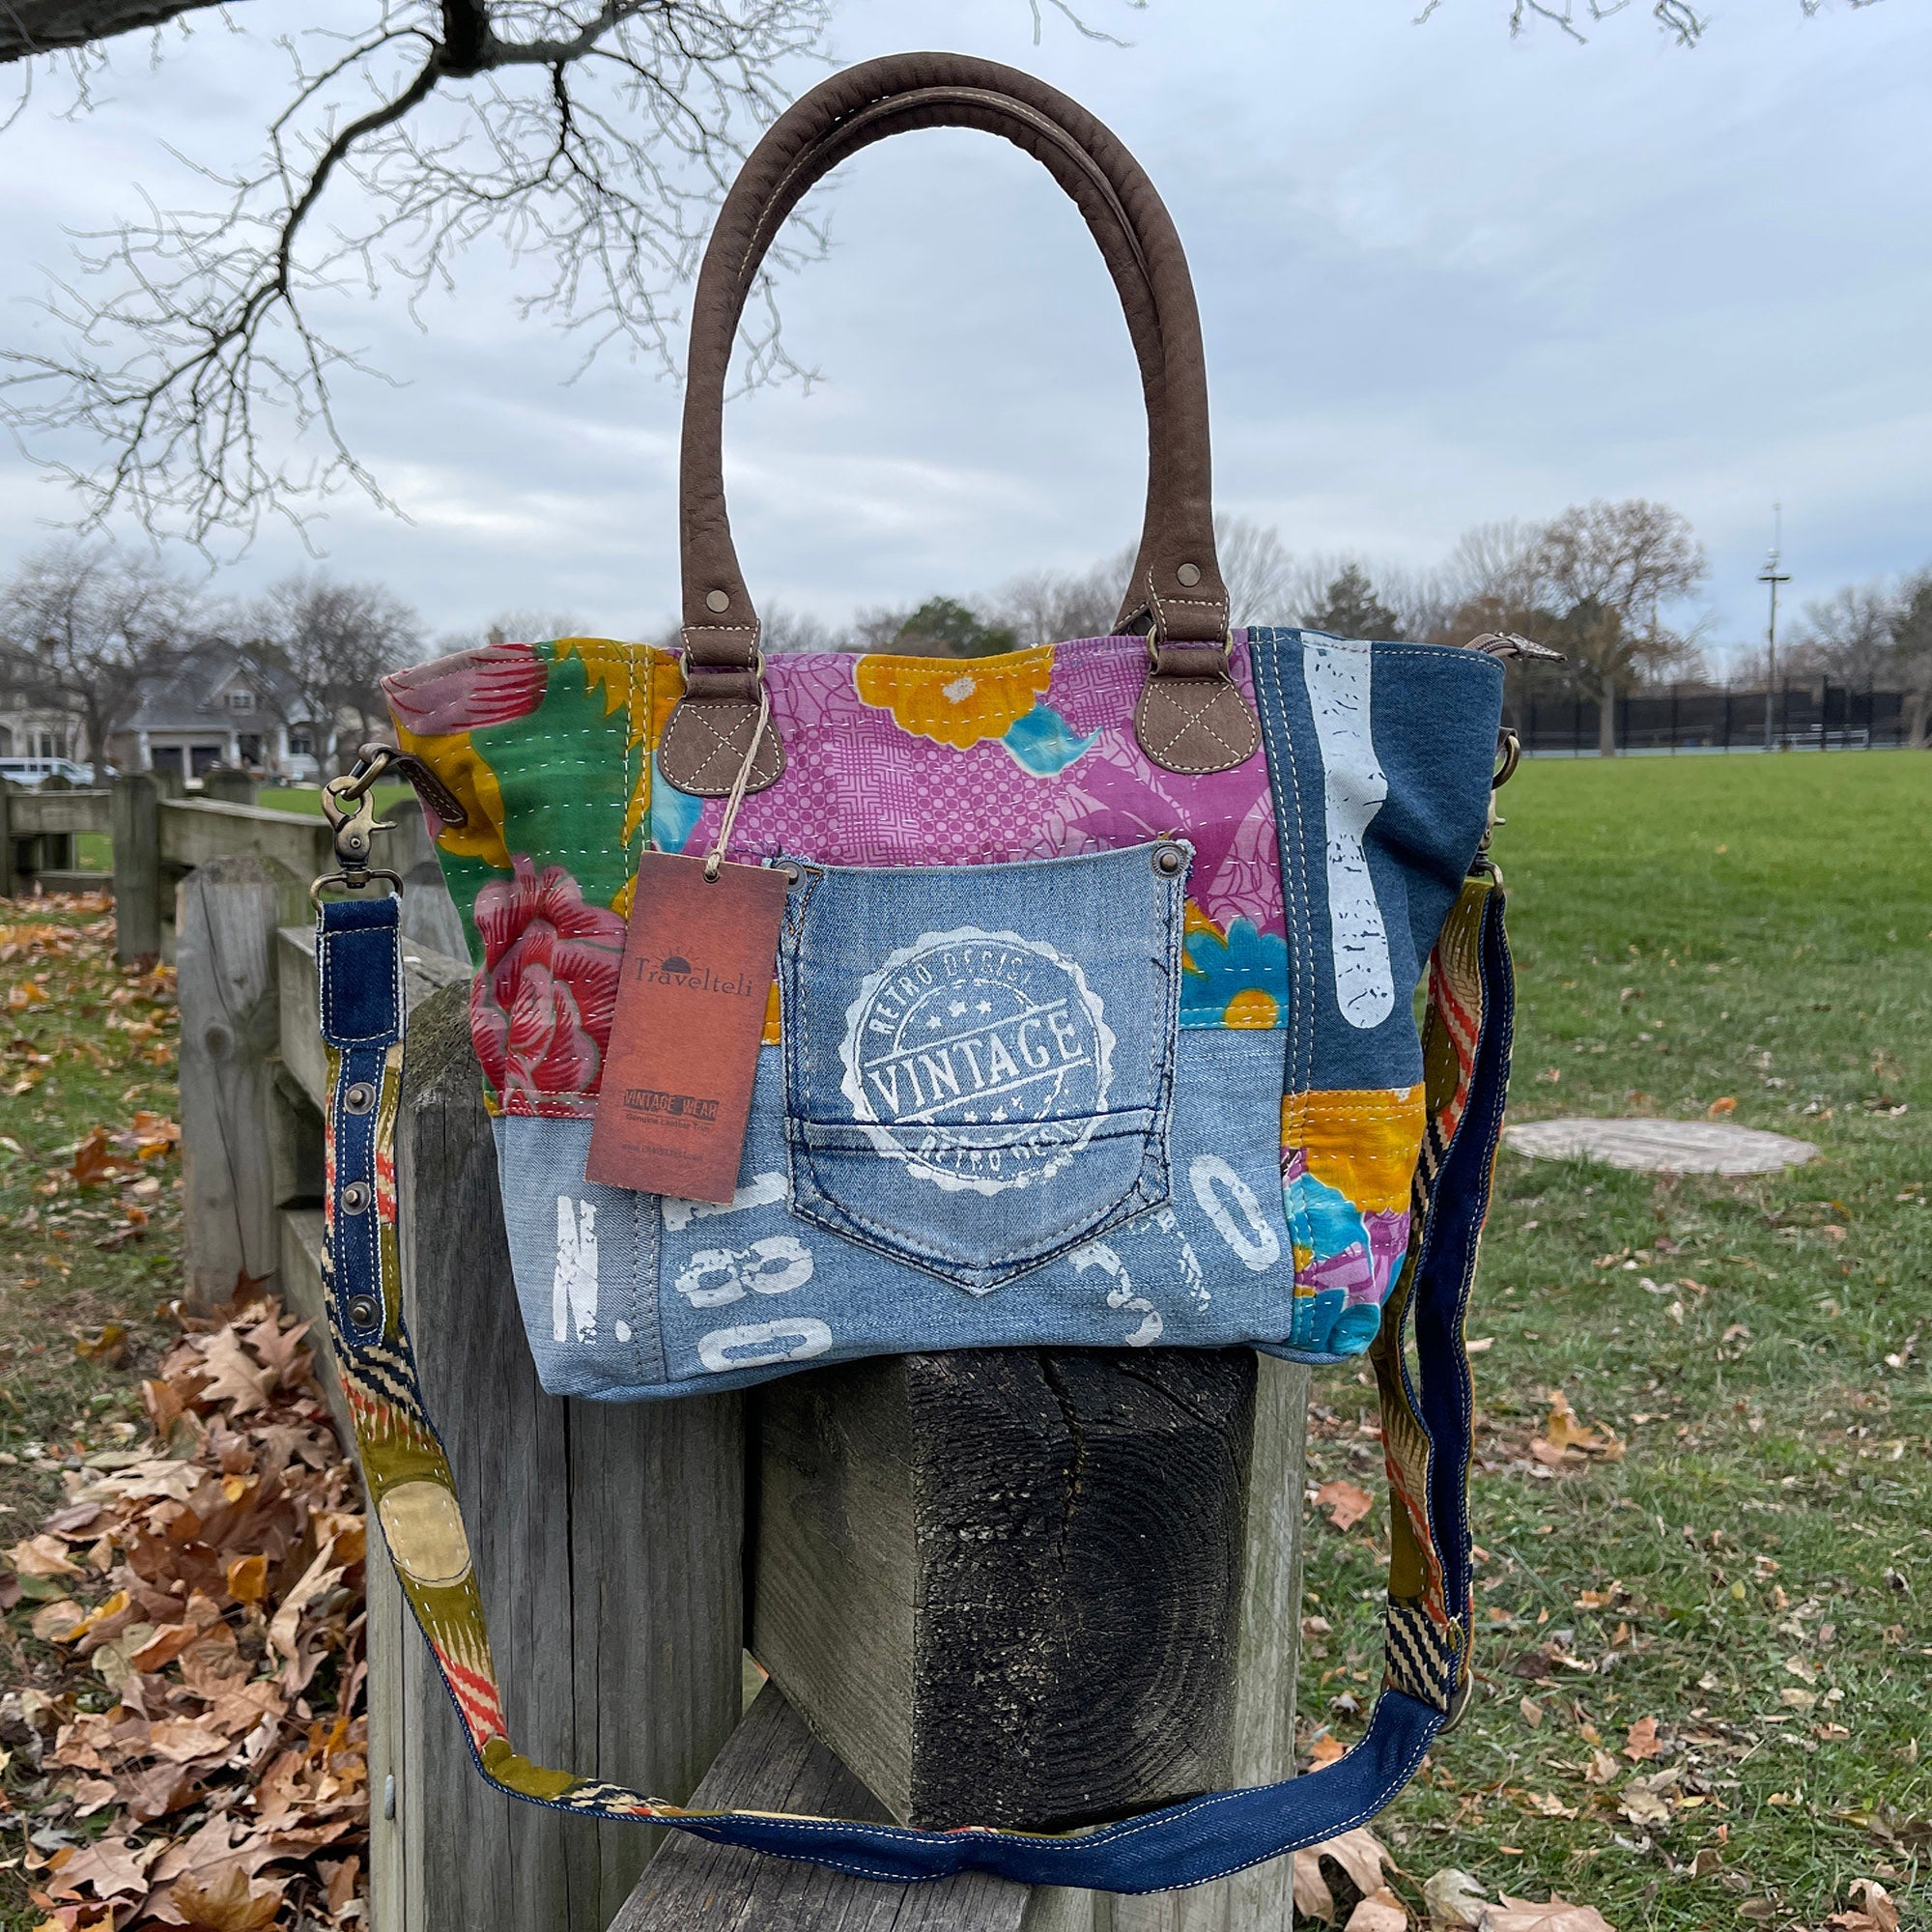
1189	574
718	600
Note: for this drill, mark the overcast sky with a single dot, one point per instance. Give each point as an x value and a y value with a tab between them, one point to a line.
1445	277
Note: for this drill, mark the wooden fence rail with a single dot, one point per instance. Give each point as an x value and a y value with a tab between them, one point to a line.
855	1529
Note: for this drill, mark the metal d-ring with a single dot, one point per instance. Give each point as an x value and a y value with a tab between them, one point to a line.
353	883
1509	756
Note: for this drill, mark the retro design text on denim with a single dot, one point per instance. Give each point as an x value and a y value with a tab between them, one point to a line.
980	1059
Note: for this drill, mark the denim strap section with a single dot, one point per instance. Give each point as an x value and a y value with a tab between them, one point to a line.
413	1494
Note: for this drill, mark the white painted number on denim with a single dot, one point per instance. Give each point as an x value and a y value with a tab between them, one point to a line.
980	1059
760	1344
1190	1263
1098	1254
774	1265
572	1297
1256	1244
762	1191
1354	786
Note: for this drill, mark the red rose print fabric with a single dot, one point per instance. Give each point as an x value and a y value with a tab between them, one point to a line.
540	1011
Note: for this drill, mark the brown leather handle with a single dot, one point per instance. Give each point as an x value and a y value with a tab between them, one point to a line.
1177	581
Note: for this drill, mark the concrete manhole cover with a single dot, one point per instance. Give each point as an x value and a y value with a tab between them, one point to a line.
1660	1146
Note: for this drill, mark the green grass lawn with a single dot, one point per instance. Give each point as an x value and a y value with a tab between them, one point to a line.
1751	1571
306	800
94	851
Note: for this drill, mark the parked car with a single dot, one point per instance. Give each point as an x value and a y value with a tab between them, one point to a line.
37	771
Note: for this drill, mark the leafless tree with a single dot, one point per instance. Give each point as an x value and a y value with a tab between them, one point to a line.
1493	581
1610	568
1044	607
588	138
1684	22
84	627
1912	642
1257	569
1848	637
323	646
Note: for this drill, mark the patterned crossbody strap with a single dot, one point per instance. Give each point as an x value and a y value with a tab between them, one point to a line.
1426	1432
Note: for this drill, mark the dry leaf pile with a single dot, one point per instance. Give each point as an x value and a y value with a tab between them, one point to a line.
200	1760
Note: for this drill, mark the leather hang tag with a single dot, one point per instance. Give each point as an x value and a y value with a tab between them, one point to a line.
698	962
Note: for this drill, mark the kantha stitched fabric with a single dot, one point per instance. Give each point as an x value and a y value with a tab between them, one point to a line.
1237	1140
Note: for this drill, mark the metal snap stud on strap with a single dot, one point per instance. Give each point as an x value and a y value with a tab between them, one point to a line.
1168	859
355	1198
365	1310
358	1098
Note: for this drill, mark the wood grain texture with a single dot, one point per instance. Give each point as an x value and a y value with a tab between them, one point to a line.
773	1763
1268	1652
608	1544
226	917
1006	1585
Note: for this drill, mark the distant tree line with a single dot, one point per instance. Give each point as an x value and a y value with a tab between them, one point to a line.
1606	584
85	629
89	630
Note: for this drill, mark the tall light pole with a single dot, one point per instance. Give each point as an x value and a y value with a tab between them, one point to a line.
1773	575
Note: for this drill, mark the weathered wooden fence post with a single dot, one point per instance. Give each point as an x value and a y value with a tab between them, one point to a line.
226	915
1029	1588
136	808
608	1542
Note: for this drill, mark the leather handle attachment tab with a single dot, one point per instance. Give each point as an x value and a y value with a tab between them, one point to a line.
1191	717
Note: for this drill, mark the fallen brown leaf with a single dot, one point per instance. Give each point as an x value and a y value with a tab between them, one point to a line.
1453	1899
1642	1806
1642	1744
1358	1853
1875	1911
1555	1914
169	1568
1381	1911
1346	1503
247	1577
232	1902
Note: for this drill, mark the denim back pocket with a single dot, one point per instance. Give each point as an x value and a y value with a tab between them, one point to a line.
979	1060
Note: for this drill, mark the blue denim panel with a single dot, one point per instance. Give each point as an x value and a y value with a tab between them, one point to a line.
584	1258
752	1290
979	1060
360	972
748	1291
1399	759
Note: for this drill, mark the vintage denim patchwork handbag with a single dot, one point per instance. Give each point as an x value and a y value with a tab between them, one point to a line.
1093	1019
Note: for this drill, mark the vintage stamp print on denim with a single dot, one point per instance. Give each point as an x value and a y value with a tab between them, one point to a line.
981	1060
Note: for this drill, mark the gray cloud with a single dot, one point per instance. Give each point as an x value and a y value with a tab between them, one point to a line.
1445	277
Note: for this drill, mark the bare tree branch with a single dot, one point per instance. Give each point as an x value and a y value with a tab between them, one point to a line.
590	138
1682	20
30	27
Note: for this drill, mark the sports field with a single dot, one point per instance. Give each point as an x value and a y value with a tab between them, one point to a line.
1709	1638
